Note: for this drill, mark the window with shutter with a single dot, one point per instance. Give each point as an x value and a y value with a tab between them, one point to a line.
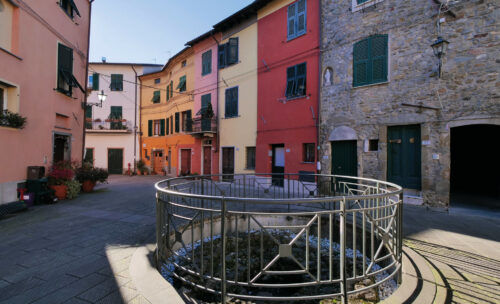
292	11
162	127
95	82
156	97
168	92
116	82
222	56
65	69
370	60
297	19
301	17
232	56
296	81
231	102
150	128
171	124
168	126
69	7
177	122
182	84
189	121
206	63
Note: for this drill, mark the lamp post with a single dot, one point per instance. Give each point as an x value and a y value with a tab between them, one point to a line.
440	47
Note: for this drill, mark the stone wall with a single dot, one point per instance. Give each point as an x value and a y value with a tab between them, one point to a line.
467	92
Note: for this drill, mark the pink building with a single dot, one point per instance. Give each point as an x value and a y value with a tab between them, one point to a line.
43	63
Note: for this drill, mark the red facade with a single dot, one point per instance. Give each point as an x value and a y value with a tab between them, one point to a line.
291	121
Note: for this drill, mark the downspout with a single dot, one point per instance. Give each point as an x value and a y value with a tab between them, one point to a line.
86	82
318	125
135	120
140	122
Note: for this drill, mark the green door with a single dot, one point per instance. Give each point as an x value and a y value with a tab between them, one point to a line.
344	161
403	156
115	161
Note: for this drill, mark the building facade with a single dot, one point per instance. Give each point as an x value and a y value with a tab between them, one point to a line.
386	110
43	63
288	95
111	140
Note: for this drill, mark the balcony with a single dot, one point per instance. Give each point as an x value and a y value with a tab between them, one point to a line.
115	126
202	126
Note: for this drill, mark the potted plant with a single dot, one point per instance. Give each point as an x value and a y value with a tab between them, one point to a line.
141	166
88	176
60	173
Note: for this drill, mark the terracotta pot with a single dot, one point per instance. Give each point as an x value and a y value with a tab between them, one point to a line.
60	191
88	186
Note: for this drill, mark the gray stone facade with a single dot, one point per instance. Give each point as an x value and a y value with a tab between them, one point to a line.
467	93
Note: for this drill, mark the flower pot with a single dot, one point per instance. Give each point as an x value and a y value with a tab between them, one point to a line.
88	186
60	191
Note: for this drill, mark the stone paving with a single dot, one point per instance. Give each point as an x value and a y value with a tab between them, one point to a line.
79	251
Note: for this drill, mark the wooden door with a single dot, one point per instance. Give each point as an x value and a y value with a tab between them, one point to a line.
278	165
158	162
207	160
403	156
115	161
185	161
344	162
228	163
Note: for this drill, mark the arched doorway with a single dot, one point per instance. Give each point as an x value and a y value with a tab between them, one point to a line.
475	166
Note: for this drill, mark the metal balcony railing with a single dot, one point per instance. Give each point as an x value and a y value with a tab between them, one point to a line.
201	125
109	126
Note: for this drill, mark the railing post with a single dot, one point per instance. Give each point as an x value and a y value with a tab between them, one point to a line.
158	231
223	257
400	237
342	251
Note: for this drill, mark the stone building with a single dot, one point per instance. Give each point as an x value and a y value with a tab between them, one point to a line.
386	113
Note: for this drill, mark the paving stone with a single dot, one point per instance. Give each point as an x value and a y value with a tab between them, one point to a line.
100	291
3	284
13	289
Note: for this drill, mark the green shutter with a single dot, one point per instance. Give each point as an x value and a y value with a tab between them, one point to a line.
88	111
116	82
156	96
300	89
232	51
171	89
378	45
189	123
168	92
168	126
116	112
360	61
206	65
150	128
290	81
177	122
95	82
370	60
162	127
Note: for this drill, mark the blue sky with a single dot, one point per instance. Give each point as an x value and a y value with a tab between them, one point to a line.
151	31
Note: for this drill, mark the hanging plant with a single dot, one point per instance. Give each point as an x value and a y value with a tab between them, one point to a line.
13	120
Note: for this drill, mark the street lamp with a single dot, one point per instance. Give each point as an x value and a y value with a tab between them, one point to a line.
440	46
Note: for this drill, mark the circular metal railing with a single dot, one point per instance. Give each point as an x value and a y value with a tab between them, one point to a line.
262	237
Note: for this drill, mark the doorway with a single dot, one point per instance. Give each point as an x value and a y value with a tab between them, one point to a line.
207	160
115	161
278	165
62	148
475	166
403	156
185	161
158	161
227	164
344	162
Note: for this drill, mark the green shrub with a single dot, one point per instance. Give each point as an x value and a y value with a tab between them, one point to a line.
73	189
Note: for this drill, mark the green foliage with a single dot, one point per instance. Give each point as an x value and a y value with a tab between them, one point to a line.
88	172
12	120
73	189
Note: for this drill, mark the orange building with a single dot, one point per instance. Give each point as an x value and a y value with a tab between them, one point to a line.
167	102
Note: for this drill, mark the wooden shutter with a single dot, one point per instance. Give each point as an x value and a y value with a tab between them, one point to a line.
95	82
378	50
205	100
300	82
162	127
301	17
150	128
88	108
116	112
168	126
292	13
189	121
232	51
171	124
119	80
177	122
360	63
290	81
64	69
206	63
222	56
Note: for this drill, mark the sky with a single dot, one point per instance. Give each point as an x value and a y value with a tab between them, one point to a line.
151	31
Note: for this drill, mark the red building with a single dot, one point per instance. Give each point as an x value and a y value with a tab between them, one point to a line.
288	86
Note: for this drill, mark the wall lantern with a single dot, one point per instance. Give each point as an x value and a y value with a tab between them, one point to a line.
102	98
440	47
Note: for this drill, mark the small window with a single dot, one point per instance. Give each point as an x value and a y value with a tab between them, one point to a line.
370	61
182	84
297	19
373	145
159	127
308	153
250	158
116	82
157	80
296	81
69	7
156	97
183	64
228	53
206	63
231	102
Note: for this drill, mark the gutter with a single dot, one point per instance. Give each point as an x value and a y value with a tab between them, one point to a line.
135	121
86	82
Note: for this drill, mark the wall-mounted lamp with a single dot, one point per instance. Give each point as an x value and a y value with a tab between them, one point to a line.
102	98
440	47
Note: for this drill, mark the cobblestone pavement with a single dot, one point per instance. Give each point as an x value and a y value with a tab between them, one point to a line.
78	251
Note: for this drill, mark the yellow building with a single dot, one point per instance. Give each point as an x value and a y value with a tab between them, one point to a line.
237	100
166	111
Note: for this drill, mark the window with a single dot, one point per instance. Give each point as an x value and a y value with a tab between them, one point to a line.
168	126
250	158
65	79
9	98
116	82
308	153
7	23
228	53
182	84
183	64
370	61
115	117
177	122
187	123
297	20
231	102
373	145
88	117
171	124
89	156
296	81
361	4
95	82
159	127
157	80
206	63
168	92
156	97
69	7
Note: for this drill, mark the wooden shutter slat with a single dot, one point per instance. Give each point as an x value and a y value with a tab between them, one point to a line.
162	127
291	20
150	128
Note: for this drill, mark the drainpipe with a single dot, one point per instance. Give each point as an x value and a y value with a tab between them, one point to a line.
217	147
86	82
318	125
135	120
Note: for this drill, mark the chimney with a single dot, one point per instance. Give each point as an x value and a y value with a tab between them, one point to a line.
103	59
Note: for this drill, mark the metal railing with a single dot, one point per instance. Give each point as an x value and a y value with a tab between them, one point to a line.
109	125
202	125
359	216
